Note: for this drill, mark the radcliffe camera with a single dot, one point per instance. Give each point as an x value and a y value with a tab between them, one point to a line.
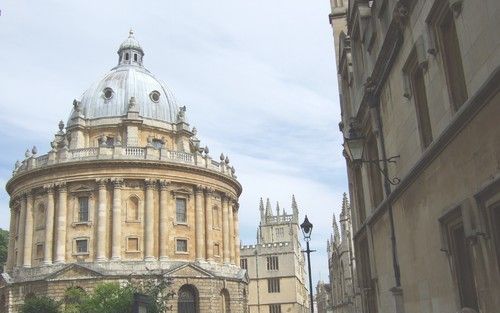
338	156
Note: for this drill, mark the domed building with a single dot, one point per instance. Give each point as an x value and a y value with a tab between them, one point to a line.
126	191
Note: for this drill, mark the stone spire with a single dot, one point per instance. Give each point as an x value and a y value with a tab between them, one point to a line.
277	208
261	209
328	246
344	216
345	206
268	208
295	209
336	234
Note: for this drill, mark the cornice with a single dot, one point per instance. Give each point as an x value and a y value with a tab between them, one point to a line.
22	177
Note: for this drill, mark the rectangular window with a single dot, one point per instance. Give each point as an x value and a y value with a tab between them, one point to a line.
275	308
180	209
133	244
280	233
83	209
244	264
461	261
366	281
495	222
273	285
181	245
158	143
216	249
272	263
215	216
82	246
39	251
421	107
452	59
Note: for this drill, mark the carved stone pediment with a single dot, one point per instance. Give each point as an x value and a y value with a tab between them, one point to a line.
189	270
73	271
181	192
81	189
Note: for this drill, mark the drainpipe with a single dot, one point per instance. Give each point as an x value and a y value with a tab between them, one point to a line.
397	291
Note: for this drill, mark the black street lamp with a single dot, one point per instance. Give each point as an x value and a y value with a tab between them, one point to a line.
307	228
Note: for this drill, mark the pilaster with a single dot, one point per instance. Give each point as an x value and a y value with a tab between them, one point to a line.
164	220
49	225
225	228
117	219
61	222
20	234
102	220
200	244
150	185
231	231
208	223
28	232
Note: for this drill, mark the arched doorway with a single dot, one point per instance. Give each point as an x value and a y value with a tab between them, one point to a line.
187	300
225	301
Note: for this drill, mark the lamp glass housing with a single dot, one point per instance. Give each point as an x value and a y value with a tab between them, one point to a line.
354	148
306	227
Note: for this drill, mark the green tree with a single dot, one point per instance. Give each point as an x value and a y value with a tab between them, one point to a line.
74	298
40	305
4	244
109	298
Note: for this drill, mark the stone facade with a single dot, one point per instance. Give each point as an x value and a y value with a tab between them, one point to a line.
419	82
275	265
126	191
323	297
345	294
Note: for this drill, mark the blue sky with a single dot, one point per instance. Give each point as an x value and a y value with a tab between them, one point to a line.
257	77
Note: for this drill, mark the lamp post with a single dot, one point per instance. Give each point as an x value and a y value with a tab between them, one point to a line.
307	227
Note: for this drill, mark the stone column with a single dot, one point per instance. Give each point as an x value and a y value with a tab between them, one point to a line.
149	242
163	242
49	225
102	221
225	228
200	242
208	224
231	231
117	220
236	235
61	223
10	253
20	233
28	231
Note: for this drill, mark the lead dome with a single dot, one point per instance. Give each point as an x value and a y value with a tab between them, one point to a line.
110	96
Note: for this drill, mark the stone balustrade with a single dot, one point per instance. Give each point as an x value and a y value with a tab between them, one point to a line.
122	153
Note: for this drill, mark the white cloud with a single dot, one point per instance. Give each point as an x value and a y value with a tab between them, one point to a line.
257	76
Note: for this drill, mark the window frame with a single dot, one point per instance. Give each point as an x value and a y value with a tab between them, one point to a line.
179	239
438	15
75	246
185	220
139	247
272	263
273	285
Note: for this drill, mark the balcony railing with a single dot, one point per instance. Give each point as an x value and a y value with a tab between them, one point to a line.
125	153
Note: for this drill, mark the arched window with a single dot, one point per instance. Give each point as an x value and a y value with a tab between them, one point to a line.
224	301
133	208
127	57
135	57
188	300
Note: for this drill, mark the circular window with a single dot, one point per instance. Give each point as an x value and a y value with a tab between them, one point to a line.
155	96
108	93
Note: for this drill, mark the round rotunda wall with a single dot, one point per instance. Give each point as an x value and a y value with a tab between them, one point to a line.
126	188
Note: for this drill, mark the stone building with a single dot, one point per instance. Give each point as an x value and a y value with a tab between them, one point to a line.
419	81
345	295
275	265
323	297
127	191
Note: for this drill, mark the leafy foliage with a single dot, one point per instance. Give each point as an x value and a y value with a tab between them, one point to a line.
40	304
108	298
4	244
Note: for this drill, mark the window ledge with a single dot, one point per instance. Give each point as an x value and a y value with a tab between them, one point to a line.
181	224
133	222
181	252
74	224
